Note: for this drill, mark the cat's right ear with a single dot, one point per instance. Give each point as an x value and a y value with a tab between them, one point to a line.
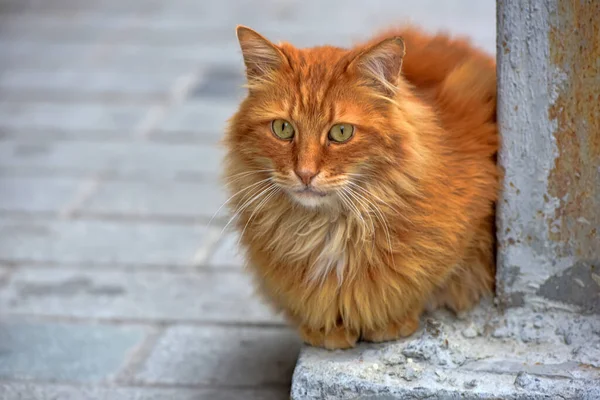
261	56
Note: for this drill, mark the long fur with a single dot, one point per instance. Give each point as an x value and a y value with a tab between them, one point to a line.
412	223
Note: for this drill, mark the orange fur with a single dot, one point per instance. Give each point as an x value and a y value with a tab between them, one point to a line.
407	222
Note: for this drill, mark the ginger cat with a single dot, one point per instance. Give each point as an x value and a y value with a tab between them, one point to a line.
364	180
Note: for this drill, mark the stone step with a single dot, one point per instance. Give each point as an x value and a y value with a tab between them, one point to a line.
519	355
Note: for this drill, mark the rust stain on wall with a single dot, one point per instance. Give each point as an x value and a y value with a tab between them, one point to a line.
575	178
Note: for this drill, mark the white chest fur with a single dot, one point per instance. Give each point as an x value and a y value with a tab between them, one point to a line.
331	258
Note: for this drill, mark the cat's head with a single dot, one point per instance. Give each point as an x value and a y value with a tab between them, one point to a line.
317	120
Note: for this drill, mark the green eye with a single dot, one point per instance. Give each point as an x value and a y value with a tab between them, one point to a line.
282	129
340	133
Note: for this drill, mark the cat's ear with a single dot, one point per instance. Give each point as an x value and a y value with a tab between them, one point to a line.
382	62
260	55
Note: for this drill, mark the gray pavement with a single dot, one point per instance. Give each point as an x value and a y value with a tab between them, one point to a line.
112	286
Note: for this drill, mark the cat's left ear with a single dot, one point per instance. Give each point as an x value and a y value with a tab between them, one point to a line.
260	55
382	62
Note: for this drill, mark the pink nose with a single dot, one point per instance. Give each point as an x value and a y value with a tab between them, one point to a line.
306	175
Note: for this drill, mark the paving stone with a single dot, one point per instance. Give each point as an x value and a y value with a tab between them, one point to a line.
26	54
126	158
36	194
191	55
147	295
4	272
13	6
75	353
83	81
206	118
164	30
44	22
222	83
48	29
146	64
304	19
106	7
21	115
46	135
161	198
37	391
227	253
81	242
475	18
471	17
232	356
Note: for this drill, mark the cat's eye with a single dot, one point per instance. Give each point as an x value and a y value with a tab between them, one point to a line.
341	133
282	129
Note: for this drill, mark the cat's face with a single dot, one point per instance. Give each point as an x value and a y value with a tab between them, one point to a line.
314	120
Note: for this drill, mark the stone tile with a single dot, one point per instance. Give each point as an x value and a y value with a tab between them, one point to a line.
161	198
221	82
308	23
47	27
207	119
99	242
105	7
13	6
75	353
145	63
85	81
126	158
23	29
232	356
303	19
228	253
163	30
4	273
37	391
71	117
25	54
147	295
194	56
36	194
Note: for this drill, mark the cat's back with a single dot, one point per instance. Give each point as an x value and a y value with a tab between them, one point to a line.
432	57
458	81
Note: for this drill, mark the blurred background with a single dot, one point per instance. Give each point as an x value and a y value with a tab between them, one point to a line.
112	286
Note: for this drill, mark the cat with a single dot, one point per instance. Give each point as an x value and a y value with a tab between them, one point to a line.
363	181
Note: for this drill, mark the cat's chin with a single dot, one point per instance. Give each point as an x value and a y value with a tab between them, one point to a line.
311	200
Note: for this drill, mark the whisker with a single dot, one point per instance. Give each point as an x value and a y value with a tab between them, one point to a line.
236	177
245	205
372	231
379	214
272	191
231	198
374	196
350	193
353	206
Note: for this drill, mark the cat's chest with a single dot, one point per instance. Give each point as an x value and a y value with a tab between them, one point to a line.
330	257
321	246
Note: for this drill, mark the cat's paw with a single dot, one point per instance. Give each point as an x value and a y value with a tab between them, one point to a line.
337	338
394	330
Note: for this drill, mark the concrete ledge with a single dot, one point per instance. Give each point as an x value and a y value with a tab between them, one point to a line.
522	354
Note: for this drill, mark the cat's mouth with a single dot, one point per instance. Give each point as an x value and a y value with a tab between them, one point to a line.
309	192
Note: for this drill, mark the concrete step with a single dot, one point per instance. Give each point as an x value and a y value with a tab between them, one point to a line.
522	354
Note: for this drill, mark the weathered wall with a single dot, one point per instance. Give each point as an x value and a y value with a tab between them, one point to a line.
549	115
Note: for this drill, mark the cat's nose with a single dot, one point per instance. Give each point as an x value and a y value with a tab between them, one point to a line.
306	175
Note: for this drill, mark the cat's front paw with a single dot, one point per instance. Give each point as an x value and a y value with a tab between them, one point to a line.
337	338
394	330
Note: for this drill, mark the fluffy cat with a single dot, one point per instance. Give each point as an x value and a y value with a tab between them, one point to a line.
364	180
